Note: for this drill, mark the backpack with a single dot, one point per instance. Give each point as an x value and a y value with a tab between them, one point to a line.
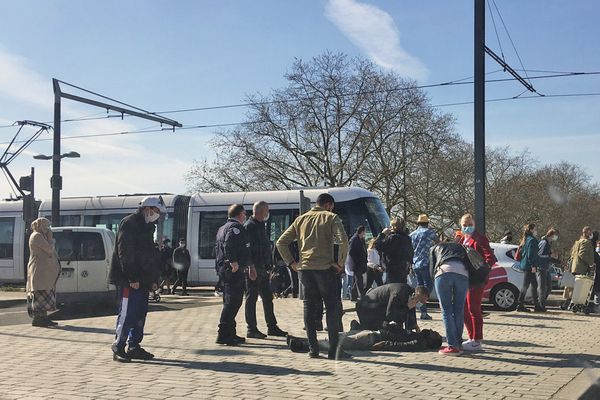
477	267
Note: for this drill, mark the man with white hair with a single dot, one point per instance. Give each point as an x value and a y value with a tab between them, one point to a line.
135	270
261	258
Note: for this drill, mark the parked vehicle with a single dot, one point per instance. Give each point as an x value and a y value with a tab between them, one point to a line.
556	273
84	254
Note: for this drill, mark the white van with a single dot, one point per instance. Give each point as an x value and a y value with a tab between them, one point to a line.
85	254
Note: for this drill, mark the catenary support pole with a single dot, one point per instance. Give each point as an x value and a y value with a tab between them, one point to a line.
479	115
55	181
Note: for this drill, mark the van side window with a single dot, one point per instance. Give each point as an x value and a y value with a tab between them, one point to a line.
7	233
91	246
65	245
210	222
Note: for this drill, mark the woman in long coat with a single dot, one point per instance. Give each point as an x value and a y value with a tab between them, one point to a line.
43	271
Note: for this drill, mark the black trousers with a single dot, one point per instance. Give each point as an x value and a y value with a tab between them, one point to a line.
373	276
530	280
370	315
358	286
295	284
233	294
396	274
181	280
321	286
545	285
261	287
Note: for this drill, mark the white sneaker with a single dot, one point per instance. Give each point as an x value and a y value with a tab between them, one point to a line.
472	345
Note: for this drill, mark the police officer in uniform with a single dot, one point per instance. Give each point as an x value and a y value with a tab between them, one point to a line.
260	252
232	250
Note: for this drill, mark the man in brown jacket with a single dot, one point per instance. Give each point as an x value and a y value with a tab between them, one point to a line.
317	231
582	258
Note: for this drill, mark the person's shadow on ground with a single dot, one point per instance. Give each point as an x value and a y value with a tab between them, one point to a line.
236	367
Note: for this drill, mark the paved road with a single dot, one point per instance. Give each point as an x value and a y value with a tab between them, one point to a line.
537	356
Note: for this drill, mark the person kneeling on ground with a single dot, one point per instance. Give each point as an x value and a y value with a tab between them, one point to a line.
388	339
389	304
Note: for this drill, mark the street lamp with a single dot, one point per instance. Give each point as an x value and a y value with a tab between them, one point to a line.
56	180
71	154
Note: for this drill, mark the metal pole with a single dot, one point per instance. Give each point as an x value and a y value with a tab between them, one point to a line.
479	114
55	181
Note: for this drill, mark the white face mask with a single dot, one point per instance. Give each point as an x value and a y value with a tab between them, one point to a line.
151	217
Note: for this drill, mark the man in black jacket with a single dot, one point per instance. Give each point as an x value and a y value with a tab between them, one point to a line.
357	261
232	250
135	269
397	251
181	263
393	303
260	255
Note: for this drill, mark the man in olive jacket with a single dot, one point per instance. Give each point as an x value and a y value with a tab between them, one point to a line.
317	231
582	258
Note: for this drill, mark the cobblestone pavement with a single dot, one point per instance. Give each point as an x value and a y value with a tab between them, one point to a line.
533	356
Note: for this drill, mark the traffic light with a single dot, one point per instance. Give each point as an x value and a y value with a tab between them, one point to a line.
26	183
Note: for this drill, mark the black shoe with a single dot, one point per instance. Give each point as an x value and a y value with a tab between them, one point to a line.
313	354
339	355
539	308
276	331
50	322
140	354
227	341
565	305
354	325
239	339
255	334
185	294
40	322
121	356
522	308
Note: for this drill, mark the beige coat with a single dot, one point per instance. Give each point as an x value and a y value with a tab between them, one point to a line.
582	255
43	269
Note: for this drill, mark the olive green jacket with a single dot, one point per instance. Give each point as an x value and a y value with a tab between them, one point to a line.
582	256
316	231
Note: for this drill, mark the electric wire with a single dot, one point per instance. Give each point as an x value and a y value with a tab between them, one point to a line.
496	30
511	41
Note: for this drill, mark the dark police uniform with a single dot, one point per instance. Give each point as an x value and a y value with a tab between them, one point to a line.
231	246
260	252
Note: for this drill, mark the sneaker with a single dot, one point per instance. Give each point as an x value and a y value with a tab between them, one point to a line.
276	331
472	345
218	293
426	317
449	351
255	334
313	354
139	354
121	356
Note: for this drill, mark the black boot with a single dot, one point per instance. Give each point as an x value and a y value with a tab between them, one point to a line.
276	331
522	308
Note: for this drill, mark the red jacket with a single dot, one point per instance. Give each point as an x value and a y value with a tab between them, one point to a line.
481	244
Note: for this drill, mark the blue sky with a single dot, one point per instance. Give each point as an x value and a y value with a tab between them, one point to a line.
165	55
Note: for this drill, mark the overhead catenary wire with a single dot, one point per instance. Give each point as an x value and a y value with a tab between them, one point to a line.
550	75
495	29
511	41
224	125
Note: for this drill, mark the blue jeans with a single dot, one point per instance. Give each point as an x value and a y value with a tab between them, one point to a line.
424	279
347	282
451	289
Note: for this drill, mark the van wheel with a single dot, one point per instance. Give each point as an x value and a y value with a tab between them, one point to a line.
504	296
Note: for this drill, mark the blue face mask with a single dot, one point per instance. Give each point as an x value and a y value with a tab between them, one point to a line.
468	230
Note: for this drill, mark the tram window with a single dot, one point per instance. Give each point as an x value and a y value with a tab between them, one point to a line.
278	223
353	214
110	221
70	220
210	222
7	233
